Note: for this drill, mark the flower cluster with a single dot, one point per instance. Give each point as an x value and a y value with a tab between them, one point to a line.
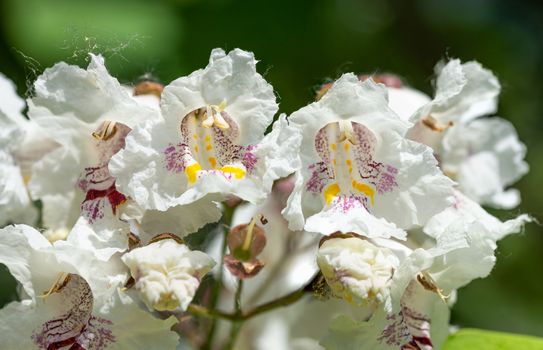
164	208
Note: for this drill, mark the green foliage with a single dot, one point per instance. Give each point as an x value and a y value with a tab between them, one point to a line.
477	339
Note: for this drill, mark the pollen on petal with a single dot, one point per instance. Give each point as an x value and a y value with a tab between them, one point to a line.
331	192
238	173
365	189
192	172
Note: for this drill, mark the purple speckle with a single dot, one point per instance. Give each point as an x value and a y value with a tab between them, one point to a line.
249	158
174	157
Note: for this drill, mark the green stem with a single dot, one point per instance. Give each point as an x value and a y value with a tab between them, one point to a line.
236	325
286	300
226	222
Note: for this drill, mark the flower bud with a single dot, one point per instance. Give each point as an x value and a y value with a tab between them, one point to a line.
245	243
167	273
356	270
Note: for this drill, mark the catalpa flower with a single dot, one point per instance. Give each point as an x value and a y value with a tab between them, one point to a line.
70	104
108	215
455	247
483	155
463	92
211	141
167	273
358	171
71	299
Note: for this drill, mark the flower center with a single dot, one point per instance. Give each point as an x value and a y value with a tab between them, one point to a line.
208	137
73	324
347	150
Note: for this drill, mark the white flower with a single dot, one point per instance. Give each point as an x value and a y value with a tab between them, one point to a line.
358	172
167	273
70	103
107	214
416	313
211	141
485	156
71	299
463	93
356	270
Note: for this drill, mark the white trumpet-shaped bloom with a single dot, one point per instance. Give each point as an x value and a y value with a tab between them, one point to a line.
358	171
483	155
456	247
211	141
167	274
71	299
69	105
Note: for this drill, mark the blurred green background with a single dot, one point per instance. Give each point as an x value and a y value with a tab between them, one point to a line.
299	44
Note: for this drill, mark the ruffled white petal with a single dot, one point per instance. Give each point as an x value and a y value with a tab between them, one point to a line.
231	78
15	203
463	92
153	170
484	157
377	172
69	104
405	101
11	104
85	309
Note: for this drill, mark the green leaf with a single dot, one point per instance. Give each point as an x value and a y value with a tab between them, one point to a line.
477	339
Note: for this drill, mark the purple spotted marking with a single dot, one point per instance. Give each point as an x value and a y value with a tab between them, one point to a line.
249	158
223	148
346	203
76	328
387	179
365	169
96	181
319	177
174	157
410	328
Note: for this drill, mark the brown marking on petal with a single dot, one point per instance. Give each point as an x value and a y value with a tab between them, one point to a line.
429	284
339	234
166	235
73	325
133	241
431	123
105	131
59	284
129	283
148	88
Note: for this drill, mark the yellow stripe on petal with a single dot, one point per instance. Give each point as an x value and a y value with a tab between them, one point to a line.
192	172
367	190
238	173
331	192
213	162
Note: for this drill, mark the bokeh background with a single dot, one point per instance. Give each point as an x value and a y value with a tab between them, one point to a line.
300	44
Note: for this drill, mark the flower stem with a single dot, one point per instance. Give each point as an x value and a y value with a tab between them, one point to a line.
291	298
236	325
226	222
